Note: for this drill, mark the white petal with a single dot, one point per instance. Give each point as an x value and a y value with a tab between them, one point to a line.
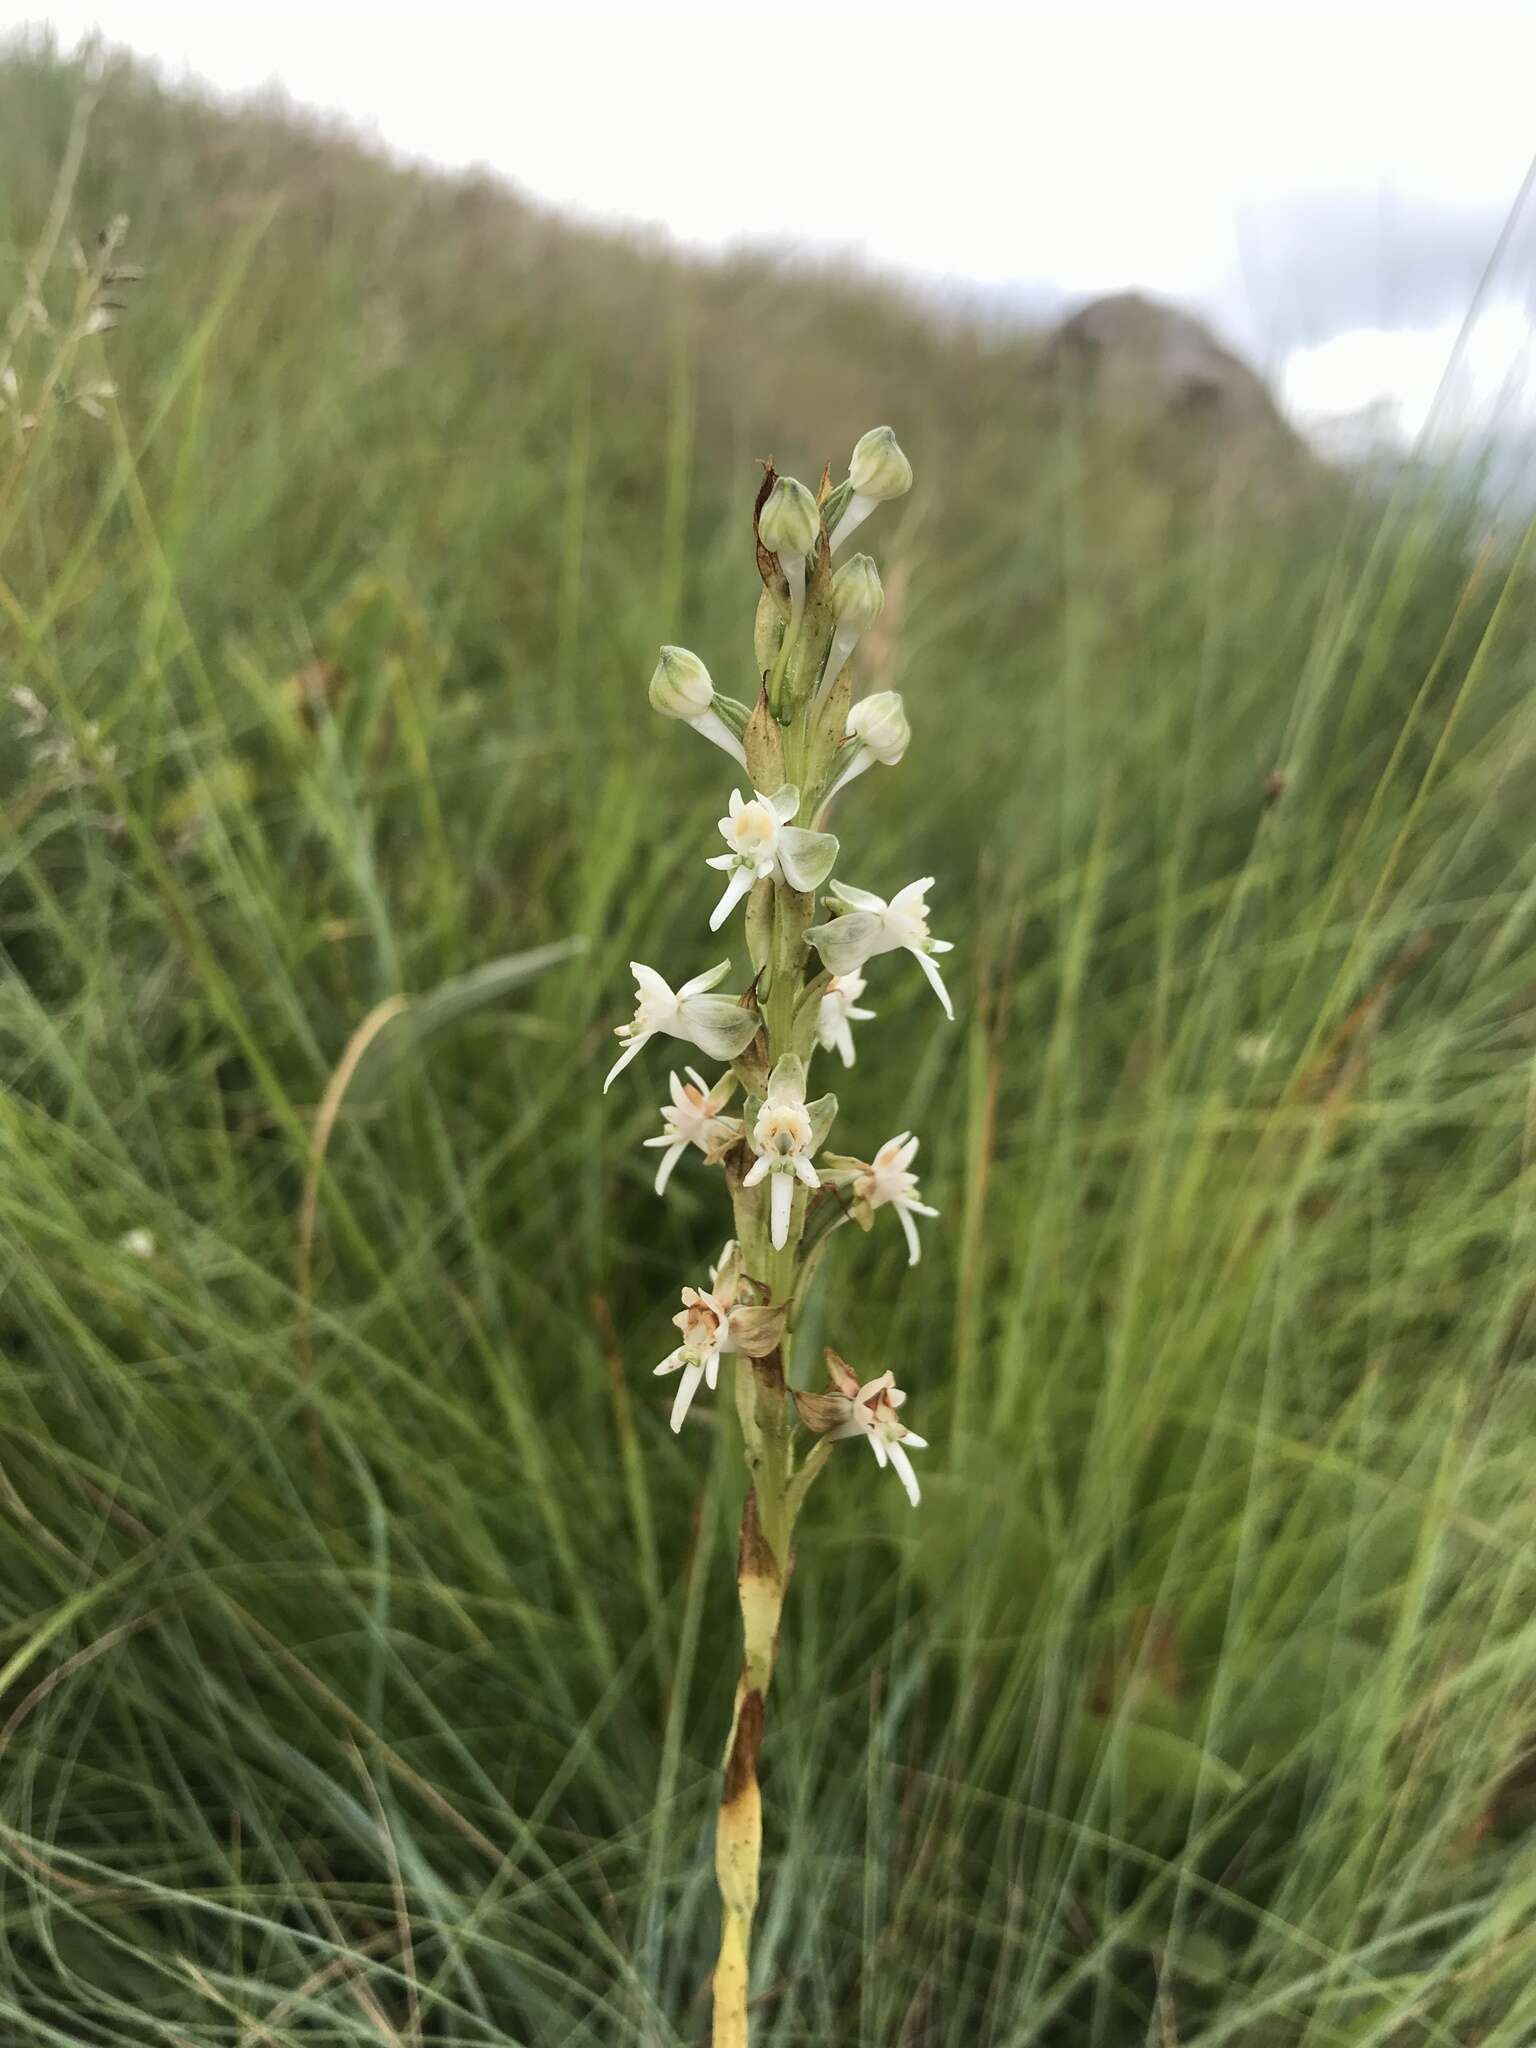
671	1363
877	1445
634	1046
756	1170
706	980
934	977
781	1202
804	1171
918	1443
741	881
669	1159
908	902
910	1228
842	1038
688	1387
650	983
902	1465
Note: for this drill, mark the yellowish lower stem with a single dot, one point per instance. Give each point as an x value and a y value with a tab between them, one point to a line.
762	1579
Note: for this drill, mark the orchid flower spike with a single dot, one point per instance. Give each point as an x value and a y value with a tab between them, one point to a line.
681	688
872	1415
878	470
693	1117
786	1133
762	842
888	1179
705	1323
857	601
789	526
877	730
717	1025
870	925
836	1015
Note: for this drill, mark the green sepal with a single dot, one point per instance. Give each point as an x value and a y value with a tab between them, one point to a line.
732	713
834	504
821	1113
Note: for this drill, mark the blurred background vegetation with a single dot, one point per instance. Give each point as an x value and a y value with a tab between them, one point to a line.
365	1638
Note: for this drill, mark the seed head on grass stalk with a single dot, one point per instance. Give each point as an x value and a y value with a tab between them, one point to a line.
804	739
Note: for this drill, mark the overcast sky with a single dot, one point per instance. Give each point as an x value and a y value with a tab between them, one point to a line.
1322	180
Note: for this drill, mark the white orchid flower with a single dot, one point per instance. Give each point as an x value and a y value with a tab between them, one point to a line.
888	1180
837	1014
693	1117
705	1323
872	1414
762	842
871	925
717	1025
785	1134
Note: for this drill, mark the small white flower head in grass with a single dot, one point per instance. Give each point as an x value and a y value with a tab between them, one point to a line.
138	1244
888	1179
693	1117
870	925
705	1322
681	688
877	470
717	1025
857	601
785	1135
838	1013
877	731
872	1415
762	842
788	526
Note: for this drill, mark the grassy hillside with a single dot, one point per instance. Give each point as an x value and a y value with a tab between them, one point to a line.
365	1638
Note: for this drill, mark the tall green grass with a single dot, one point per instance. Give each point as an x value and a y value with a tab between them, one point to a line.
364	1636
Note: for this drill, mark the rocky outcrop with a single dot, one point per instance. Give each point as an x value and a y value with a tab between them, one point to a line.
1148	362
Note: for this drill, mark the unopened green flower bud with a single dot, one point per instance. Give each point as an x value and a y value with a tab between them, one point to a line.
681	688
857	597
877	470
880	724
856	603
789	523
